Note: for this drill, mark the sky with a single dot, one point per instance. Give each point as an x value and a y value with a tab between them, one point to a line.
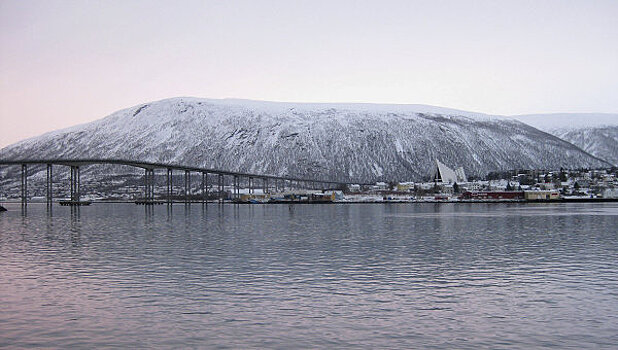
69	62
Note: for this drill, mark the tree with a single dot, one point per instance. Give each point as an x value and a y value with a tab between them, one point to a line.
436	188
455	187
392	185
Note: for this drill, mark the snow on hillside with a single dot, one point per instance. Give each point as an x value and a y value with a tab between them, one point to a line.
601	141
595	133
351	142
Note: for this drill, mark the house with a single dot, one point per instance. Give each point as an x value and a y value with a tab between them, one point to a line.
405	186
380	186
354	188
610	193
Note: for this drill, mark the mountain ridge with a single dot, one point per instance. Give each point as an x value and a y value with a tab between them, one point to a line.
595	133
349	142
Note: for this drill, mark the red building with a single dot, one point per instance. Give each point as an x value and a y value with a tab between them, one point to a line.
497	195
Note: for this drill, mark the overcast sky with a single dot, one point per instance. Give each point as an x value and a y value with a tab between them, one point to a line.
69	62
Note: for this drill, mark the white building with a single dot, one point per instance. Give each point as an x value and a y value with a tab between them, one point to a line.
442	173
354	188
380	186
610	193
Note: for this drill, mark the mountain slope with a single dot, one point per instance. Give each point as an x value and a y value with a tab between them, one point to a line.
355	142
601	141
595	133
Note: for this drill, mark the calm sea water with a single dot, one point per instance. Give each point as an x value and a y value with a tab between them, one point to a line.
310	276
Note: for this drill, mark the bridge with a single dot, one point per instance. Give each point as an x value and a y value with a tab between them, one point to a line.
268	181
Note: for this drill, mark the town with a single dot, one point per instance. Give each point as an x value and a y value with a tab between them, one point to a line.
515	185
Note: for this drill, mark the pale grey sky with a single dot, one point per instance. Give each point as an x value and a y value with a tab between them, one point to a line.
69	62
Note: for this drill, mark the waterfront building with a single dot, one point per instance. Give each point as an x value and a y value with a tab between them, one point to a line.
541	195
493	195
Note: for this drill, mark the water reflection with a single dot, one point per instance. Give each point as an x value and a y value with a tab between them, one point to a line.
75	216
316	276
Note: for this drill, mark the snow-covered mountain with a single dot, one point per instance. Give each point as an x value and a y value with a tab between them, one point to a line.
595	133
601	141
352	142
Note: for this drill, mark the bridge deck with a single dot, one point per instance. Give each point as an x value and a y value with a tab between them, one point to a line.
154	165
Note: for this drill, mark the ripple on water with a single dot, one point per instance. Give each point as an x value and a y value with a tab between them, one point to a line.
323	276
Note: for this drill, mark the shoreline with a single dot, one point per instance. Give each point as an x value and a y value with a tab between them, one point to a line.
564	200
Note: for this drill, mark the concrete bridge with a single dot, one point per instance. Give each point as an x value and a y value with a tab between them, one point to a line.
267	181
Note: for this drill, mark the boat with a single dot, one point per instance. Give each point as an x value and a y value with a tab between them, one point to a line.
254	198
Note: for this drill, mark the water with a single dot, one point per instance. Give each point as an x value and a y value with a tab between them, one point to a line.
310	276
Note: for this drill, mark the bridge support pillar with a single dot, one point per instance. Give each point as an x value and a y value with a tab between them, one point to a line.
220	188
187	185
169	185
250	185
149	186
204	188
235	188
146	186
75	183
48	185
24	184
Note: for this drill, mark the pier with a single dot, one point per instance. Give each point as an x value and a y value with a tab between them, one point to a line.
74	203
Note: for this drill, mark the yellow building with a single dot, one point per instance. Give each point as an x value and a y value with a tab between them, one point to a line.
541	195
405	186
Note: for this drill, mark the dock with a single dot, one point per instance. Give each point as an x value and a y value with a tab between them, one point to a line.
74	203
149	202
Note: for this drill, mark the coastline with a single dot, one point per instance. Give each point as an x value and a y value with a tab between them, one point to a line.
375	201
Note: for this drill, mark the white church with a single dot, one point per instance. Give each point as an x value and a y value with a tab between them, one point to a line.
444	174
